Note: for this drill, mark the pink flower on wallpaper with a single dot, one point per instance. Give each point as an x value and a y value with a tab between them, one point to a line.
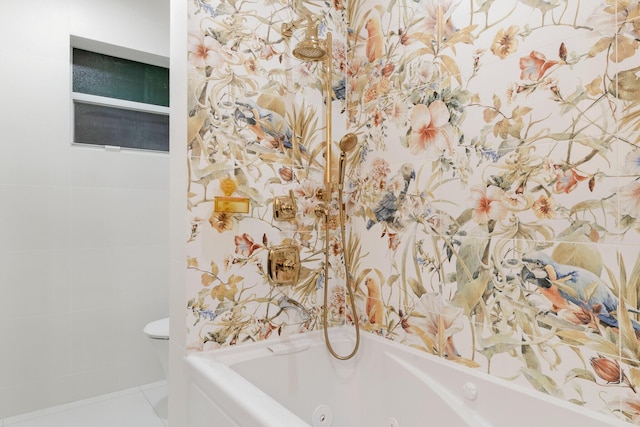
441	319
266	50
629	199
430	128
440	313
307	206
304	75
488	203
394	241
632	162
379	170
426	72
444	9
397	112
205	51
567	181
534	66
544	207
308	189
245	245
340	54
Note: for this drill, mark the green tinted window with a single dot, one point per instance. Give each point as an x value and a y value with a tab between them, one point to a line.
104	75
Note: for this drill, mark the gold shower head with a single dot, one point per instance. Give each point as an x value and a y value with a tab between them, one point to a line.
311	48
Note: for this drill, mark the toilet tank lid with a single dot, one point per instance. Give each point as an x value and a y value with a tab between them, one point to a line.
158	329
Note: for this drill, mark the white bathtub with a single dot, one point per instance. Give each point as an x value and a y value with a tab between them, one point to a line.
295	382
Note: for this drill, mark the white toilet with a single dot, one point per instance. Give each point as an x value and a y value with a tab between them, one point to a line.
158	333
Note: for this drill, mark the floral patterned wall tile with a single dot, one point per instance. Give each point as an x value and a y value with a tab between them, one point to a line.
492	195
512	108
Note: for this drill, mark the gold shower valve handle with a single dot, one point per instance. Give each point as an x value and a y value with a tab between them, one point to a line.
321	210
284	207
283	265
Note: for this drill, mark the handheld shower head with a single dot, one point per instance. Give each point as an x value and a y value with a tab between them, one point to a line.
311	48
347	143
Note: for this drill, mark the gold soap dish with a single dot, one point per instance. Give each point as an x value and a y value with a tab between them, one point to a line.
227	203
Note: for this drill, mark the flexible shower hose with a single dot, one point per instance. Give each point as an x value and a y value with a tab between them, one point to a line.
325	322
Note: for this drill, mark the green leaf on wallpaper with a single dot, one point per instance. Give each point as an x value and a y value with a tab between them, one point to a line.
265	21
530	357
469	257
419	53
470	294
428	341
464	35
589	205
628	334
634	375
541	382
392	279
633	285
575	337
497	344
602	146
206	279
583	255
601	45
485	6
235	279
520	111
271	181
497	102
452	67
391	325
562	136
215	269
464	217
416	287
593	341
579	373
392	3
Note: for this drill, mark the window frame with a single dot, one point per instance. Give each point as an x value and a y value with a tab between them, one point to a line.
122	104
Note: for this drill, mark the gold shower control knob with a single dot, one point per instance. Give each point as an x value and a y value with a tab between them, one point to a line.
284	207
283	265
321	210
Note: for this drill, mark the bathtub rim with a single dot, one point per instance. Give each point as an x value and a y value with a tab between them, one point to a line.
238	395
229	356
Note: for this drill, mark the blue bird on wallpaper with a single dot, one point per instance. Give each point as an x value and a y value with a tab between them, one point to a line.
340	89
386	209
266	124
562	284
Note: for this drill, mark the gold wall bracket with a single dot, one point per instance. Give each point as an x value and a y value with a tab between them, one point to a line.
283	265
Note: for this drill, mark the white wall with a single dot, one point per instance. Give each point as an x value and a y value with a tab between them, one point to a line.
84	233
179	223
